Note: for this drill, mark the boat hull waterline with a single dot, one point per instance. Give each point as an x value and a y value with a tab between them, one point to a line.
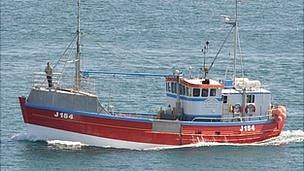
106	130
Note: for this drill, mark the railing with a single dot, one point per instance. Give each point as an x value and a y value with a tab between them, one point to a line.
200	119
236	118
60	82
40	80
136	115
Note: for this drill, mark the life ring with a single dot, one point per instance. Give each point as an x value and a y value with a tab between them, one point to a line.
279	113
250	108
236	108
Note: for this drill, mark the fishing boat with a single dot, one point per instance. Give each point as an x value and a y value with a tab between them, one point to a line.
198	109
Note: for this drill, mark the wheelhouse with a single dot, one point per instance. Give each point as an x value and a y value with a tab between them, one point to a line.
197	97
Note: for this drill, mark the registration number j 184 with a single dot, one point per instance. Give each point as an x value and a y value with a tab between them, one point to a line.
63	115
247	128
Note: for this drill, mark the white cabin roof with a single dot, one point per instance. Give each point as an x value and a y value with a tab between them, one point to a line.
256	91
198	81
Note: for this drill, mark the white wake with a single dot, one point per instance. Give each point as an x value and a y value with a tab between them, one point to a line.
65	144
25	137
59	144
286	137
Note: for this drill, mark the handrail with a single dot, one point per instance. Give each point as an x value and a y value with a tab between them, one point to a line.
143	115
232	118
39	80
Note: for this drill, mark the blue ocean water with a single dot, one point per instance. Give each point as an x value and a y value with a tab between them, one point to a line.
151	36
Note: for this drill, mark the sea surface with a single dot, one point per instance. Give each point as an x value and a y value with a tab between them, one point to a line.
156	36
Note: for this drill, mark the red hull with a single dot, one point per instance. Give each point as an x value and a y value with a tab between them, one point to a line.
141	131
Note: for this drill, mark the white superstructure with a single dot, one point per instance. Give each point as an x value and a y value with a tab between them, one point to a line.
193	98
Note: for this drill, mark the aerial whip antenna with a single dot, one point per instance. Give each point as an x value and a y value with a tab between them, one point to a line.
205	50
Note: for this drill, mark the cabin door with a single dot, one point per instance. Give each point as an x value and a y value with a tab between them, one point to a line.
225	106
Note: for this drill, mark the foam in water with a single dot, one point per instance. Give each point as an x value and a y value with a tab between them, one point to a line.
52	143
286	137
66	144
25	137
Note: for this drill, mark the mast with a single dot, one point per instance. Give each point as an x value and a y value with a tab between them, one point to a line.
205	50
235	39
77	60
178	110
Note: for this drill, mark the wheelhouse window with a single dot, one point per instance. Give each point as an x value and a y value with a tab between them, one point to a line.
250	98
225	99
173	87
196	92
180	87
187	91
212	92
204	92
183	90
168	87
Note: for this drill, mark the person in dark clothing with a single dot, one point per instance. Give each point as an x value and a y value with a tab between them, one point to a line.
49	73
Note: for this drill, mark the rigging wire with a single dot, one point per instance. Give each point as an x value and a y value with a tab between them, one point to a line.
69	56
218	52
63	55
66	49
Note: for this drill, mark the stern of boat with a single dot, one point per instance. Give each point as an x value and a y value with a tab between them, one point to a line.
279	114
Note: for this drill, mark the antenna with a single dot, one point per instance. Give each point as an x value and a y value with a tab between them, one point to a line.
190	71
205	50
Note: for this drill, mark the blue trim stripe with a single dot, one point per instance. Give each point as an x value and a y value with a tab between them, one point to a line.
191	98
217	115
255	122
140	74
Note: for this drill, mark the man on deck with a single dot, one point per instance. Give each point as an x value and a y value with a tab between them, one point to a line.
49	72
